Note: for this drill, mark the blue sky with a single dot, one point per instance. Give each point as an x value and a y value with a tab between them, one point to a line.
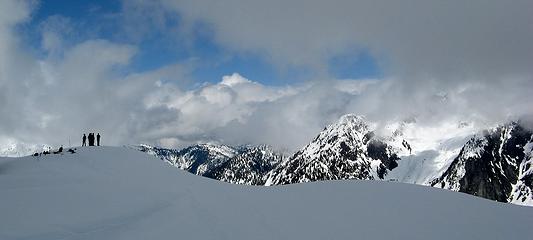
158	48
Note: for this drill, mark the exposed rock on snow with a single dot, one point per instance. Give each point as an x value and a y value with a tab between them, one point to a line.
491	164
242	165
348	149
495	164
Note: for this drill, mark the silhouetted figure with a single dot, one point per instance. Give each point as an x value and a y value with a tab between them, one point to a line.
91	139
98	139
45	152
84	140
60	150
72	151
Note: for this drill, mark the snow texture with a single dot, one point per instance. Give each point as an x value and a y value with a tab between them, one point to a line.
121	193
432	150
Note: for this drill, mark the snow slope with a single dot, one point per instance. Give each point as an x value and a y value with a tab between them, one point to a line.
433	150
494	163
121	193
354	148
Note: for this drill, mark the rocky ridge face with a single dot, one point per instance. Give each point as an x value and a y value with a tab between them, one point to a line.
491	164
250	166
347	149
495	164
240	165
522	192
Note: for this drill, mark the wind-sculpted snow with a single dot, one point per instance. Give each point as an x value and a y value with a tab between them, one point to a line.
120	193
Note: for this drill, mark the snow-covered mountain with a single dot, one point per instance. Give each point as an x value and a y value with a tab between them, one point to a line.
431	149
494	164
522	192
250	166
347	149
243	165
119	193
198	159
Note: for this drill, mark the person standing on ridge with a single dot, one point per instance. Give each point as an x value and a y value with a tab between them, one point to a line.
91	139
84	140
98	139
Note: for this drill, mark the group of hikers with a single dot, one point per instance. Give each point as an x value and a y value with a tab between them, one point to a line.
91	139
49	151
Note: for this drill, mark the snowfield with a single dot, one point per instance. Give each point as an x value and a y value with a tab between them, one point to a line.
121	193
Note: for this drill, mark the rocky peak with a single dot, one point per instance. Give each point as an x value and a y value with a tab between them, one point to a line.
347	149
488	164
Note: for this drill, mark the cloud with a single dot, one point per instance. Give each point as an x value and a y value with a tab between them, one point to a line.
14	12
81	86
73	89
478	54
238	111
412	36
213	106
442	61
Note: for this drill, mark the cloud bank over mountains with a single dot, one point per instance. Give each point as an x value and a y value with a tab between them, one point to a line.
441	61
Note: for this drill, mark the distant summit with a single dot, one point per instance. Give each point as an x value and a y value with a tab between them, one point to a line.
347	149
241	165
494	164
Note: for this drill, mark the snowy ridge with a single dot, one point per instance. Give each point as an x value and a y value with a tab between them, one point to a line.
249	167
493	165
347	149
197	159
433	149
472	150
241	165
120	193
522	193
200	159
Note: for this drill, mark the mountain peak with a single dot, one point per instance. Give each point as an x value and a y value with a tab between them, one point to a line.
351	121
349	126
338	152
